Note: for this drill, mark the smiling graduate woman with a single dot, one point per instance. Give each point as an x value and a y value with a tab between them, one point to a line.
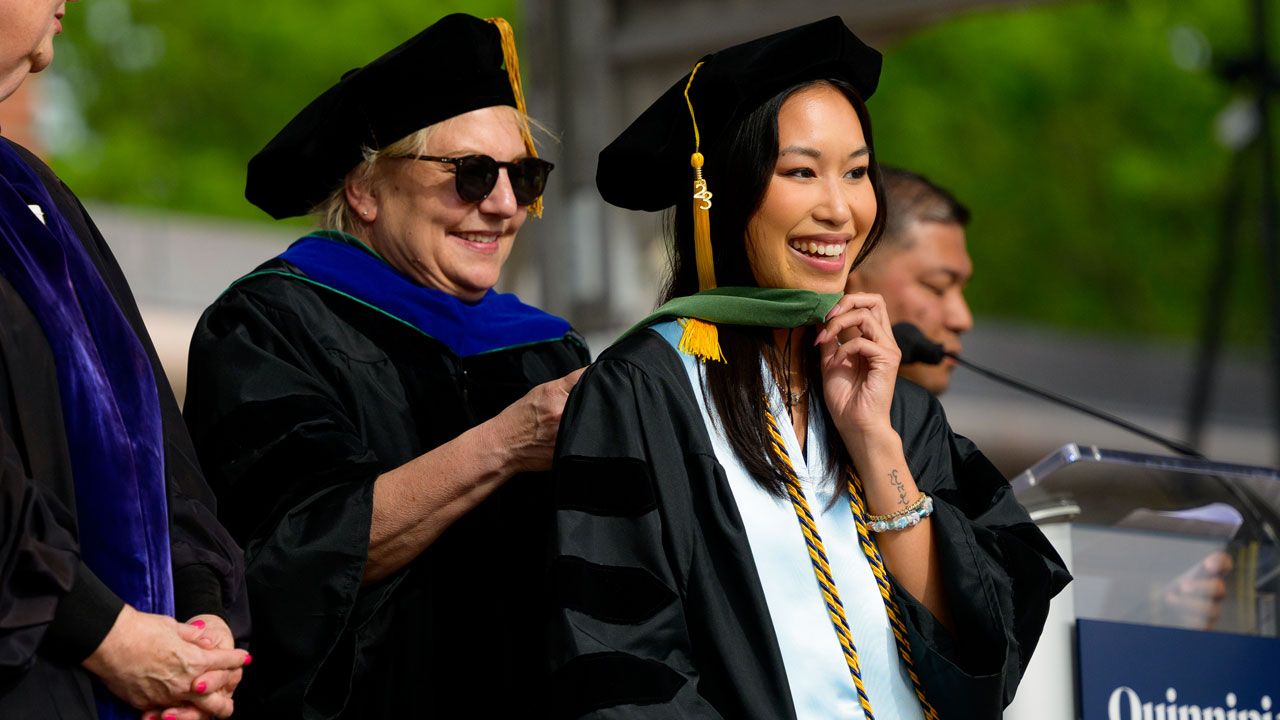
120	594
754	520
373	415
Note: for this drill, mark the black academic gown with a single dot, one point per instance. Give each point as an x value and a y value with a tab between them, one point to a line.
661	613
298	398
53	610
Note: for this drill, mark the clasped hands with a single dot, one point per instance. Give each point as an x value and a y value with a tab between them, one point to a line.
170	670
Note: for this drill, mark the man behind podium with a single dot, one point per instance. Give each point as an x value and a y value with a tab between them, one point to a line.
921	268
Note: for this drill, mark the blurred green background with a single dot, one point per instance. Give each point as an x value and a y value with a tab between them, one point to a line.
1081	134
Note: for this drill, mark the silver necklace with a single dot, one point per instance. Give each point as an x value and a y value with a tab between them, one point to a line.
791	398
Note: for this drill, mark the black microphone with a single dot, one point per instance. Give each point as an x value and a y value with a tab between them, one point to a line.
916	347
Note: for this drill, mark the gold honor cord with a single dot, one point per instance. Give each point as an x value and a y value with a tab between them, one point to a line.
512	61
827	583
700	338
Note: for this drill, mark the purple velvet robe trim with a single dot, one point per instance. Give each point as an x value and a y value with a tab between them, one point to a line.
109	403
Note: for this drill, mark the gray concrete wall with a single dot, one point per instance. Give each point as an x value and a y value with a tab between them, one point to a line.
178	264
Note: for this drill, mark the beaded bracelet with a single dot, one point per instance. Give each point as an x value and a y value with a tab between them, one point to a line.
904	518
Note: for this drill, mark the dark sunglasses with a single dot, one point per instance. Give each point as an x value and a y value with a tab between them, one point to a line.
477	174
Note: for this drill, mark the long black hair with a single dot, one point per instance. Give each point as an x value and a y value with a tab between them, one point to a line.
739	165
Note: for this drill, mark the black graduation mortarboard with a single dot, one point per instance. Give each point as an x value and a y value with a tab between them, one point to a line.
647	166
452	67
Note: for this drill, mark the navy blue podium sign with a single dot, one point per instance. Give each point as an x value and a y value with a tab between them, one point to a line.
1140	672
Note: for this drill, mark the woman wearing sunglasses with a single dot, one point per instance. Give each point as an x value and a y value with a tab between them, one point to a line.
373	416
755	520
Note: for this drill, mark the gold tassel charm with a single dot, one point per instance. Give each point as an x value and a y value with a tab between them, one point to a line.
510	59
702	226
700	339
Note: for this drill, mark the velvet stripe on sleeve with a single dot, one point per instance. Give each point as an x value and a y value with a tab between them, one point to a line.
660	612
638	490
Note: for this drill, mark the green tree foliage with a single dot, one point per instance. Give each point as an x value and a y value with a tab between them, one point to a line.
1080	133
179	95
1082	137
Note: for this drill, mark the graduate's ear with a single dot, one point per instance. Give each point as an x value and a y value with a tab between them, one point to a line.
361	196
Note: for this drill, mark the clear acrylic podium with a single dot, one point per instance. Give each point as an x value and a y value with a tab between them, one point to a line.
1137	531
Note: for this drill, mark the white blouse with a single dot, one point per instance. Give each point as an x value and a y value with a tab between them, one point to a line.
821	687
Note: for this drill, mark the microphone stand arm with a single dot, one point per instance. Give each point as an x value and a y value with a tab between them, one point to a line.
1178	447
1249	501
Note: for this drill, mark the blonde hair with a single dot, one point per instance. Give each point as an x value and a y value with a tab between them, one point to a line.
335	213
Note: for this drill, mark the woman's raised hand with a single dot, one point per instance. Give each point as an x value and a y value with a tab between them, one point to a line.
859	371
531	423
859	364
154	662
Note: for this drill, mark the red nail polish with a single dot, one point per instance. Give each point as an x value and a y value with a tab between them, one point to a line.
171	717
198	623
200	688
248	658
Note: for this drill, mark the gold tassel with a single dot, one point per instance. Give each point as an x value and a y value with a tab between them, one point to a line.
512	62
700	339
702	226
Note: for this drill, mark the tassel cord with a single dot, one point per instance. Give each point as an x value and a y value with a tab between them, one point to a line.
512	61
701	202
